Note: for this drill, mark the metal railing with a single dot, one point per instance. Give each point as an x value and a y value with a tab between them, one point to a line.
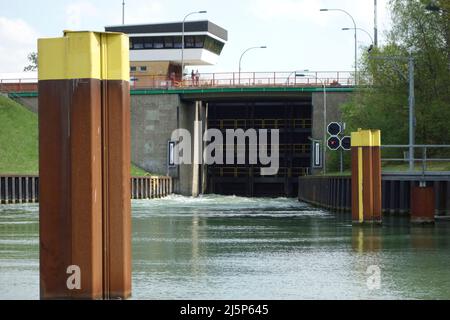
282	148
261	123
424	159
243	172
19	85
215	80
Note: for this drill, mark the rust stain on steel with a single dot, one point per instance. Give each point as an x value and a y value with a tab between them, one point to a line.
355	193
118	180
367	184
377	194
70	187
422	204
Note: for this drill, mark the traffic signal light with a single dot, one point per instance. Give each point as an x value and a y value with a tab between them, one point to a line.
334	129
334	143
346	143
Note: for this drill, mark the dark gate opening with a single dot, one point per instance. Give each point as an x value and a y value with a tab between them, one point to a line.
293	119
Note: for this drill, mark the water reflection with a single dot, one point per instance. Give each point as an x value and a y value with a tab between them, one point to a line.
238	248
367	238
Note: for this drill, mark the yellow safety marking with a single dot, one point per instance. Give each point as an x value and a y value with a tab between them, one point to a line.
366	138
360	185
84	55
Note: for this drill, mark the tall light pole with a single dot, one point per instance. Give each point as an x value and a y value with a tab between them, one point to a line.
182	40
325	125
123	12
412	102
375	31
240	60
356	40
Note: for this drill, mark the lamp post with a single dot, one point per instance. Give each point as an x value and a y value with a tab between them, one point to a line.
363	30
240	60
123	12
356	39
297	74
411	100
375	23
324	151
182	40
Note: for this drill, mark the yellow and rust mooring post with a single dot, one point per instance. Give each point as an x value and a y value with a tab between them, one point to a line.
366	176
84	166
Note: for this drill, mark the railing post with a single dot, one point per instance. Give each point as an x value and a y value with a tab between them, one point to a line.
424	160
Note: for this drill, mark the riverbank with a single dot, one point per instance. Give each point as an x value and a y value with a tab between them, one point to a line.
19	146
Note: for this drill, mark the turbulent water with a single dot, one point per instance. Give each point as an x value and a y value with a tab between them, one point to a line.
217	247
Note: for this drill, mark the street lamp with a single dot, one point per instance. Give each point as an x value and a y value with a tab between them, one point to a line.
182	40
324	151
297	74
356	39
363	30
240	60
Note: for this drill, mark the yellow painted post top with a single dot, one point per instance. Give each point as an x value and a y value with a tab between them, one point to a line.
366	138
84	55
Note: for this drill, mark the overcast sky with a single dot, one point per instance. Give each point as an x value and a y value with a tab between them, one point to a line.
297	35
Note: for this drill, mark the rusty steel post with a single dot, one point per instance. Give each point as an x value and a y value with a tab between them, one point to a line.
366	176
84	166
422	204
377	192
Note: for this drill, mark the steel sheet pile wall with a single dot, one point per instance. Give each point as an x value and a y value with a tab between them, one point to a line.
334	192
25	189
151	187
19	189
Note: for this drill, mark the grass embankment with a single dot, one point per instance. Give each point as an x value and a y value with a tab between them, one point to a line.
19	140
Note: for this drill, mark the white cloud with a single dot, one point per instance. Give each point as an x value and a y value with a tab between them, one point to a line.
307	13
78	13
17	40
145	12
270	10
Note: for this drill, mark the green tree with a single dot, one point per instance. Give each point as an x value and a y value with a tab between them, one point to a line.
383	102
33	60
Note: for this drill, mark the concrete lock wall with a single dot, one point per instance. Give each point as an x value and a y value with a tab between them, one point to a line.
335	100
153	120
155	116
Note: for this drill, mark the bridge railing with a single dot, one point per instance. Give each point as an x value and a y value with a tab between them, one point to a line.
247	79
18	85
215	80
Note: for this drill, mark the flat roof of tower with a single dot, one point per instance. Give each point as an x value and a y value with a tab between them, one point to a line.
172	27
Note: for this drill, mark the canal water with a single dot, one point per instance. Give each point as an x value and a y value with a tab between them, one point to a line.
217	247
